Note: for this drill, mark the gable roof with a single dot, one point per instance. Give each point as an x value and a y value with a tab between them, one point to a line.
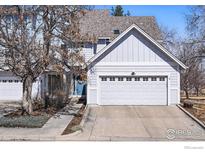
100	23
134	26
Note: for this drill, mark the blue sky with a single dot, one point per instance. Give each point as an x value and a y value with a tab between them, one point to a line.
170	16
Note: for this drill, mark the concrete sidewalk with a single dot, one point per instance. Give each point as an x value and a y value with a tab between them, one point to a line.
53	128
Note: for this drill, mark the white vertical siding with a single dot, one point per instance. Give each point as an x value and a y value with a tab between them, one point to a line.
132	49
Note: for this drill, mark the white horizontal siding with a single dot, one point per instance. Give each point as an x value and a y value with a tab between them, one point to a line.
174	79
89	50
174	96
87	53
92	80
92	98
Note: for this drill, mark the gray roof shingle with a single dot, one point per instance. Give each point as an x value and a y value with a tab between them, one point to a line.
99	23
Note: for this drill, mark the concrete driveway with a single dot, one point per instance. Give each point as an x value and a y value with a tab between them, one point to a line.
139	123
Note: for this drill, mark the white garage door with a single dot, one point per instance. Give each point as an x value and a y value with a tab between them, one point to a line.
10	89
129	90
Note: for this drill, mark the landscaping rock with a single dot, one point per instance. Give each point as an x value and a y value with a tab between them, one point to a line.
188	103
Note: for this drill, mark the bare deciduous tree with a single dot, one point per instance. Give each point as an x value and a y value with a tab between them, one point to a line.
27	35
195	22
193	76
70	52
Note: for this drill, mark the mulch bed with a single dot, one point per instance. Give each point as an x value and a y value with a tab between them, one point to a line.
193	112
75	122
196	108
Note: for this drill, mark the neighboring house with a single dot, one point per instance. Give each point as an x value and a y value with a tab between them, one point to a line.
126	64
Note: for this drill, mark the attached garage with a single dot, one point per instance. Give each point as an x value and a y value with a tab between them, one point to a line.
134	69
11	87
132	90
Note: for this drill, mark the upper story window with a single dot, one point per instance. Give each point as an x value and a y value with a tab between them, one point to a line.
104	41
116	31
107	41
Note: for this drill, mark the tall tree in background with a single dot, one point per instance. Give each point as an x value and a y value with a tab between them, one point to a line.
196	22
170	39
118	11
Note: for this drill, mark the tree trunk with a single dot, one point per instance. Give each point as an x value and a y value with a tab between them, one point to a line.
27	92
197	91
187	94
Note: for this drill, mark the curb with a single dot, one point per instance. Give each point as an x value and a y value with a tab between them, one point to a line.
193	117
85	115
81	123
71	134
78	131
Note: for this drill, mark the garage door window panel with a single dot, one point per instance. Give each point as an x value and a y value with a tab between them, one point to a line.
104	79
153	78
162	79
137	78
120	78
145	78
112	78
128	79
